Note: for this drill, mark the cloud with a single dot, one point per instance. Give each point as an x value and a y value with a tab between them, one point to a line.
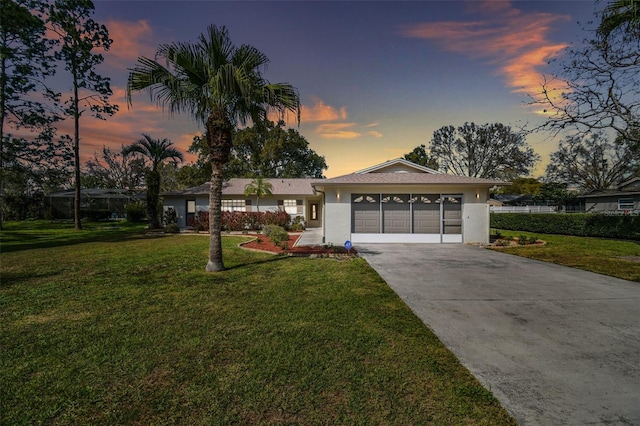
319	111
338	131
517	40
131	39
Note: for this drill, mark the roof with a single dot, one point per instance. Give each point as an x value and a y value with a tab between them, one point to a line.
630	187
406	179
398	165
99	193
235	186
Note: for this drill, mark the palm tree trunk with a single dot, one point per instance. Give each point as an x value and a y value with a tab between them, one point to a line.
215	219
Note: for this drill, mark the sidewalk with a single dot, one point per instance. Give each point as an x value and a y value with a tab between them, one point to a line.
310	237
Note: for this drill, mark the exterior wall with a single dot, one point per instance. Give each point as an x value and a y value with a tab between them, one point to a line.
337	214
179	204
609	203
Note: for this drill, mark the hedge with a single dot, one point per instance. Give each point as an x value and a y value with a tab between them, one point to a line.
580	224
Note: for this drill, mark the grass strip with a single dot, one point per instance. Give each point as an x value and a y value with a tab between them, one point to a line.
616	258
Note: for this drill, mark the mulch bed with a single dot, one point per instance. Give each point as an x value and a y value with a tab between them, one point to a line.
263	243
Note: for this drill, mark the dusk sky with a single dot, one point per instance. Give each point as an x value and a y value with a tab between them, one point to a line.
376	79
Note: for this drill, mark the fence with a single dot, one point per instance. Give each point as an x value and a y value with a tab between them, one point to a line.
523	209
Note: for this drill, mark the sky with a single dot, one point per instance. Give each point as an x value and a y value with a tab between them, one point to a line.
375	78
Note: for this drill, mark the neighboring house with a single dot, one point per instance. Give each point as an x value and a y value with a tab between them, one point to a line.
95	203
393	202
624	198
295	196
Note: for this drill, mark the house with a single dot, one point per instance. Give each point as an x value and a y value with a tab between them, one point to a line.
623	199
295	196
393	202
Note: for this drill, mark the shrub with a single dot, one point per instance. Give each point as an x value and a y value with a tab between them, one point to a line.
580	224
279	218
276	234
298	224
172	228
201	221
136	212
533	240
523	240
170	217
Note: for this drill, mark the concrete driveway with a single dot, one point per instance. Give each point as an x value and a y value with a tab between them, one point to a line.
555	345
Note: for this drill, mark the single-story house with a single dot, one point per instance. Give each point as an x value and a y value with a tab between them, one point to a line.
393	202
624	198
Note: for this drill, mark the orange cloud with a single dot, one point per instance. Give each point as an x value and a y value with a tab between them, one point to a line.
319	111
508	36
338	131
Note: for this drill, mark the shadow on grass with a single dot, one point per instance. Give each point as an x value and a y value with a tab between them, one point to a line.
275	258
18	244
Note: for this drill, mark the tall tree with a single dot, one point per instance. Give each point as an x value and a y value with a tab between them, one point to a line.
155	152
221	85
113	169
25	62
420	156
600	88
79	35
593	163
267	149
258	187
491	151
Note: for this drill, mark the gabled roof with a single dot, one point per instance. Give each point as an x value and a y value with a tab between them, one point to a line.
403	172
235	186
398	165
630	187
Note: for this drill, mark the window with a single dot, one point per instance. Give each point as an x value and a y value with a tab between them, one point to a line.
314	211
289	206
191	206
234	205
625	204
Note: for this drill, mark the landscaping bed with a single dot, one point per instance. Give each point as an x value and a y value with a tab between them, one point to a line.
263	243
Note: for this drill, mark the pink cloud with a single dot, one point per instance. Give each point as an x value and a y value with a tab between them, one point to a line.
517	40
130	40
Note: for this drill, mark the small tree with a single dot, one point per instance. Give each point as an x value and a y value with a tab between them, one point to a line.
155	152
258	187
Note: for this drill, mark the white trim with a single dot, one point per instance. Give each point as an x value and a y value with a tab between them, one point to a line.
400	238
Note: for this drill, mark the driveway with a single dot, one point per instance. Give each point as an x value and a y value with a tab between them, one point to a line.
555	345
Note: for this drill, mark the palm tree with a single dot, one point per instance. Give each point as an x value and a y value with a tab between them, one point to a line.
258	187
156	151
620	14
221	86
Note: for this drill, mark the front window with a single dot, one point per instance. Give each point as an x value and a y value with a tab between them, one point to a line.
290	206
234	206
625	204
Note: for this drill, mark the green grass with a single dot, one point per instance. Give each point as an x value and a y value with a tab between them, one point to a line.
135	332
604	256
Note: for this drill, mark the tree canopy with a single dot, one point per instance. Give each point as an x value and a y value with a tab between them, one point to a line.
593	162
492	151
599	79
420	156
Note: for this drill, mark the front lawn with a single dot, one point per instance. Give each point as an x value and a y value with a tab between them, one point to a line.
616	258
133	331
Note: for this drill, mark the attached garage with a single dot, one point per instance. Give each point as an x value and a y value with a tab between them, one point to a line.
402	202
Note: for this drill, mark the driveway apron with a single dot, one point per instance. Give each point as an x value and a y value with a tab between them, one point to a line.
555	345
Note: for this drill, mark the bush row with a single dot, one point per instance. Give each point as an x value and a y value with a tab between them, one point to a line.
580	224
243	221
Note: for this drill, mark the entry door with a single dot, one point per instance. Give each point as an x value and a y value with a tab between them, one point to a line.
451	218
191	212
